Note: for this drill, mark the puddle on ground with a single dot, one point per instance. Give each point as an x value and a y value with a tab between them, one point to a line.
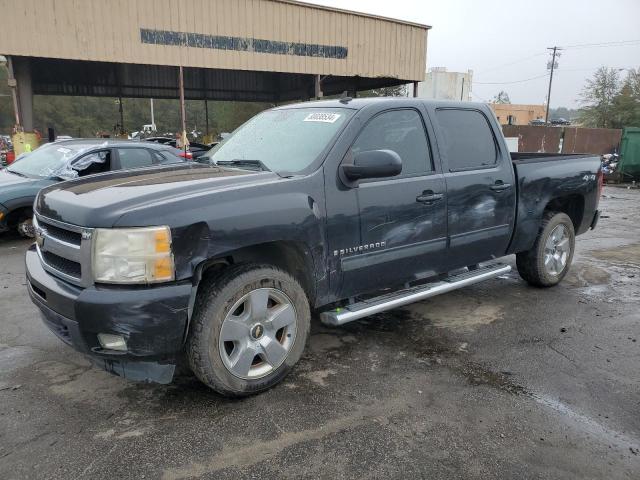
626	255
457	311
583	275
323	342
81	383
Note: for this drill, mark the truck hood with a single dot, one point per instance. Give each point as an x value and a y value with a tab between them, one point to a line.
13	187
100	200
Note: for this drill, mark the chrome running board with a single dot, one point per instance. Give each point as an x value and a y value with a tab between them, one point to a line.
364	308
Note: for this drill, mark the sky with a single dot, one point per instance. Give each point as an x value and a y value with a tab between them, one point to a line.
506	41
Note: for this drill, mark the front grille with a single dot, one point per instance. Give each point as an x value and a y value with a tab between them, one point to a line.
62	234
64	249
63	265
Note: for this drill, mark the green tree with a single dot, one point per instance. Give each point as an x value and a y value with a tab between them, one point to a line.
627	102
598	98
396	91
564	112
502	97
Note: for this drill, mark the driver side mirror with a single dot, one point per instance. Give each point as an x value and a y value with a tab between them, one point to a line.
373	164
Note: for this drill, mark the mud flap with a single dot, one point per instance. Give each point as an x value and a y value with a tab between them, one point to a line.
596	217
136	371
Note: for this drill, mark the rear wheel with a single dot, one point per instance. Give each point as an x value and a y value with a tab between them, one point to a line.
249	328
548	261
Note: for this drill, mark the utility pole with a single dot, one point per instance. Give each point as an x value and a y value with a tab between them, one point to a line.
121	132
183	119
551	65
153	118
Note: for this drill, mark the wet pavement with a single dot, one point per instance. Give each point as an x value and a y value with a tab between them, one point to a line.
499	380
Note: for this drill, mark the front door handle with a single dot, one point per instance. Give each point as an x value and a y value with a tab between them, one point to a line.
500	186
428	196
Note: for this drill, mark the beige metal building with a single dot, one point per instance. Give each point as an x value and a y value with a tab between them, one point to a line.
254	50
514	114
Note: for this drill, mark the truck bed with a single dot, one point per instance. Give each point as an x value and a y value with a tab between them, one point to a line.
541	177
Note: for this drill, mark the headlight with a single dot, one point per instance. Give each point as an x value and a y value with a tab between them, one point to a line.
132	255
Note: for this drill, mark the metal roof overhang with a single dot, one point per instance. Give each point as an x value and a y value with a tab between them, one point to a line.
104	79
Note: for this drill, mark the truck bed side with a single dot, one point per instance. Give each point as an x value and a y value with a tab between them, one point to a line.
566	183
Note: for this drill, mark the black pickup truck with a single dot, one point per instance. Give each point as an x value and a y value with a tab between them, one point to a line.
345	207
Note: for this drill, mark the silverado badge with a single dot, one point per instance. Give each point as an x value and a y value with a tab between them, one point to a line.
359	248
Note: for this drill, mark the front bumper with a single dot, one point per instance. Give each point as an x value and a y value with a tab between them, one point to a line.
153	320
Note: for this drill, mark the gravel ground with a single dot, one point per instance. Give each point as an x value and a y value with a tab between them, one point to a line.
499	380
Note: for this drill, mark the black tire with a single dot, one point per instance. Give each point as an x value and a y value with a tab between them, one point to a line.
531	265
25	227
215	299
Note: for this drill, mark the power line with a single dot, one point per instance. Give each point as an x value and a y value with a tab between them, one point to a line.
512	63
476	95
618	43
515	81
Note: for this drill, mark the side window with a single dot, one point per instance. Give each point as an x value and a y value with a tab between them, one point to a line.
469	140
94	162
134	157
401	131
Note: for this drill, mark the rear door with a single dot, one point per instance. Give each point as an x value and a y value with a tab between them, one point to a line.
402	218
481	193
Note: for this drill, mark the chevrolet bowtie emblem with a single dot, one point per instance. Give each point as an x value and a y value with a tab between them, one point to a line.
39	236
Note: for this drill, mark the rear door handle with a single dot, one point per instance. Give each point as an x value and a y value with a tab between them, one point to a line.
429	197
500	187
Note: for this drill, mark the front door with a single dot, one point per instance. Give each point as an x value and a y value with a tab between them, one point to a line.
402	219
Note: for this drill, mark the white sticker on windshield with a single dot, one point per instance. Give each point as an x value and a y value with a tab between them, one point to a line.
63	150
322	117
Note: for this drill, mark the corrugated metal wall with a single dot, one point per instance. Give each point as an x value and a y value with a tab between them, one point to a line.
259	35
597	141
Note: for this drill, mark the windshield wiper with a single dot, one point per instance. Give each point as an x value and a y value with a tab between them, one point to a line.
17	173
249	164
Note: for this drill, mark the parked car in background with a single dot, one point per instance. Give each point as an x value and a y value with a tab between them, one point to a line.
195	150
348	207
64	160
560	121
538	122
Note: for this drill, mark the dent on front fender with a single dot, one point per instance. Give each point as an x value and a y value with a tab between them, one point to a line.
190	247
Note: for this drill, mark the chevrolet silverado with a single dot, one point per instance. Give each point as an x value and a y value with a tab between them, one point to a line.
343	207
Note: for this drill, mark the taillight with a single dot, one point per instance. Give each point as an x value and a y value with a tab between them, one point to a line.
187	155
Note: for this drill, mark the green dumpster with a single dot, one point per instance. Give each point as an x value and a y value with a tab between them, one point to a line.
630	153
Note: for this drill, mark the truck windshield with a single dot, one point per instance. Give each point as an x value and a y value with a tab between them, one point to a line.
43	162
284	141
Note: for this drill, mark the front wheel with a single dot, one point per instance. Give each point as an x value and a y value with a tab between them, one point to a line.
25	227
249	328
548	261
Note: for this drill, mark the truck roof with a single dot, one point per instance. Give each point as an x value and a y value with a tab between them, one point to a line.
359	103
107	142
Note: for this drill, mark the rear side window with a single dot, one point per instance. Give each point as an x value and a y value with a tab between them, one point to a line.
165	156
134	157
401	131
469	141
